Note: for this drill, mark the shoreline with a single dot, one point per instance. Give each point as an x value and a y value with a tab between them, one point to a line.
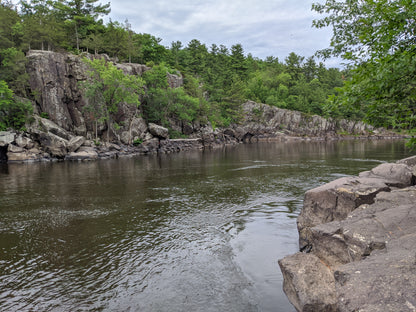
357	237
18	147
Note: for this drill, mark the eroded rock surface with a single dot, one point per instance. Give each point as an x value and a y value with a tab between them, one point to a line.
364	236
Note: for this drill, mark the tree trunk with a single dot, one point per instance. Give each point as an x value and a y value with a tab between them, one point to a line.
77	37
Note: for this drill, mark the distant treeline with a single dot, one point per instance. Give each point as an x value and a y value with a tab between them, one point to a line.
217	78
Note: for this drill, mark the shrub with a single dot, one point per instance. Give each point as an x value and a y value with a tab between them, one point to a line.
13	113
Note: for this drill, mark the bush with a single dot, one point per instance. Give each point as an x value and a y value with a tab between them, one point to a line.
13	113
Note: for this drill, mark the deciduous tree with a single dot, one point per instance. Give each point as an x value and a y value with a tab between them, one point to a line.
107	88
378	38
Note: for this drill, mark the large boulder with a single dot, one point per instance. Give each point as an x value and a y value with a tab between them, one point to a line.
308	283
158	131
53	144
46	125
18	154
6	138
75	143
24	141
396	175
334	201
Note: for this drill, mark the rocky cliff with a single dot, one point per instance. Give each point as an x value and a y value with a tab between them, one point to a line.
358	241
67	132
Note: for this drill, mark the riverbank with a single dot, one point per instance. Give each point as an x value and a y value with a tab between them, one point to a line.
357	240
45	140
19	147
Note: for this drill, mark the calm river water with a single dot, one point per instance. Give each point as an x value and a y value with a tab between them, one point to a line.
195	231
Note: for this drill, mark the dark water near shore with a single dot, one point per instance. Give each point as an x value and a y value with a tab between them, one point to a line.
196	231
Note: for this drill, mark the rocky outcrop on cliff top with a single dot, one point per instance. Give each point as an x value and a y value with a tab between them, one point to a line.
358	235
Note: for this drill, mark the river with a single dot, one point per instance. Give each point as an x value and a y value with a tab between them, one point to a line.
194	231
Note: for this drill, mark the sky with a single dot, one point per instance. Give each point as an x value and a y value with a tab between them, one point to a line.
263	27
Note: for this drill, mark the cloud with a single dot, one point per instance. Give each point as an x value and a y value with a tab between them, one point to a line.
263	27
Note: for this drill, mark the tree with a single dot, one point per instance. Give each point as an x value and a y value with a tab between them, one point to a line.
310	69
13	113
40	25
149	49
196	57
13	70
10	34
368	29
294	65
116	40
378	38
79	15
107	88
238	61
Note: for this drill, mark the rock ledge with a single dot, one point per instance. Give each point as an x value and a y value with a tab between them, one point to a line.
358	237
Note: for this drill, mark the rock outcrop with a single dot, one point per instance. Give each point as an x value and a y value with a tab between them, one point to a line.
358	237
264	120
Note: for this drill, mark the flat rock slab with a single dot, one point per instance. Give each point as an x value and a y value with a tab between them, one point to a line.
368	228
334	201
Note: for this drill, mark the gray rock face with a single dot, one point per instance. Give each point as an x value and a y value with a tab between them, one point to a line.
385	281
175	81
55	79
263	119
133	69
365	257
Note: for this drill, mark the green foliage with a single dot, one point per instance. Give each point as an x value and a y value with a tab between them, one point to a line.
107	88
10	27
80	17
367	29
44	115
13	70
378	39
13	113
163	103
137	142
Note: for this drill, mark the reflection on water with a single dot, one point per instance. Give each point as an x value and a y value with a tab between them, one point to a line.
197	231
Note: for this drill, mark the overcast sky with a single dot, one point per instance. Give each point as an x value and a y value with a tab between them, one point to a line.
263	27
